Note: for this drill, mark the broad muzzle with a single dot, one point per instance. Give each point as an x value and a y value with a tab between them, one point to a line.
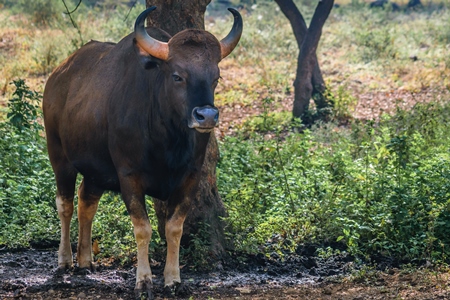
204	118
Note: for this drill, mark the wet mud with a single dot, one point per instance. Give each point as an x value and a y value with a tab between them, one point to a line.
32	274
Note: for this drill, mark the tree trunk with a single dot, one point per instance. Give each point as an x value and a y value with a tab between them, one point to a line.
176	15
207	211
309	82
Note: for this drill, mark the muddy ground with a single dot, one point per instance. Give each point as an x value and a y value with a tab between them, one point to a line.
31	274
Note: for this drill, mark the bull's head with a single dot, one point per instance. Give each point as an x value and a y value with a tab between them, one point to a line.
190	64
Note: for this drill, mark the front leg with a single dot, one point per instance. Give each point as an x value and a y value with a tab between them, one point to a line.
176	210
134	198
174	231
142	234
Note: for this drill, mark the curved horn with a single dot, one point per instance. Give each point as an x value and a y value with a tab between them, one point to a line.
153	47
230	41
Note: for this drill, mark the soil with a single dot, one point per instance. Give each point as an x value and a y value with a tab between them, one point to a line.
369	106
32	274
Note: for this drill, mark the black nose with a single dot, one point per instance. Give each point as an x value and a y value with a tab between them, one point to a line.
205	116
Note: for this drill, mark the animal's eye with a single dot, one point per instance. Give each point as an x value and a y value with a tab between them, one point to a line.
176	77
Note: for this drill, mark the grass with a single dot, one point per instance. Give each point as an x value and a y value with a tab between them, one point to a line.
375	48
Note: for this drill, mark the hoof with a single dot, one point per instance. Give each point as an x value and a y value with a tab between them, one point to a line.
143	290
177	290
144	295
62	269
65	266
86	270
82	271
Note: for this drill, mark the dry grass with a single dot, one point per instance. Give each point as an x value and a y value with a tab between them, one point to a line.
366	51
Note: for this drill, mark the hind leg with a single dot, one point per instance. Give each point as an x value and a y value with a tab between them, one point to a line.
176	214
64	204
88	198
65	175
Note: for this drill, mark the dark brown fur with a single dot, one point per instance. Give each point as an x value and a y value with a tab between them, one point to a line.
107	117
120	118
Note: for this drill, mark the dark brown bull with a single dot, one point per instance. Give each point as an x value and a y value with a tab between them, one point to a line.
134	117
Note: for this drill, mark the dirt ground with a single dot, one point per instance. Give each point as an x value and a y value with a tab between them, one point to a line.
370	106
31	274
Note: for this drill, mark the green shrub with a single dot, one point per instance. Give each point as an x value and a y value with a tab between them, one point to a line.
343	103
26	179
381	187
23	108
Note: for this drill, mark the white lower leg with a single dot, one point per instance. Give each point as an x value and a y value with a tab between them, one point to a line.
86	213
174	230
143	234
65	212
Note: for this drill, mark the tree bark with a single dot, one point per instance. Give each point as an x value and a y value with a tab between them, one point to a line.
207	211
309	81
176	15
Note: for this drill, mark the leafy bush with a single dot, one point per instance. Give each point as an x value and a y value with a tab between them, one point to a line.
379	188
23	108
26	178
343	102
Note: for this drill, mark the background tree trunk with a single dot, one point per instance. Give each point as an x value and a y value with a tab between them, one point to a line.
205	217
176	15
309	81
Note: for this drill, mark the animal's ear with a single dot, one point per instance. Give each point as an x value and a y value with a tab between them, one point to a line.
146	60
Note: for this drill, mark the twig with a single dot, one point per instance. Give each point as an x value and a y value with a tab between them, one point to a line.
132	6
68	13
72	20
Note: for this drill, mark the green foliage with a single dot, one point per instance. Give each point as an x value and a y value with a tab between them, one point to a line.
268	120
23	107
379	187
26	178
42	12
197	253
343	103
